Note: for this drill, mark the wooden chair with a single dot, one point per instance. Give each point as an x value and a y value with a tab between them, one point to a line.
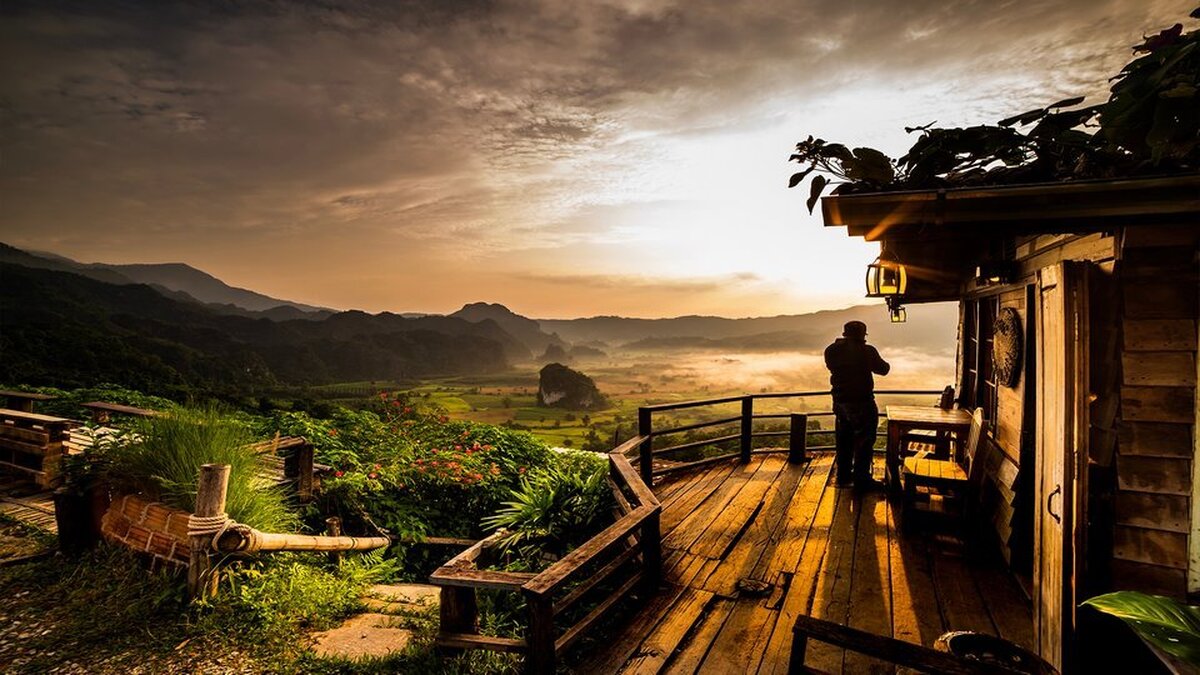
934	486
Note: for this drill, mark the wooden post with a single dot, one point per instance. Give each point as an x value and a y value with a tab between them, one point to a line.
210	501
799	651
540	658
651	552
304	473
457	613
798	438
333	527
747	441
645	451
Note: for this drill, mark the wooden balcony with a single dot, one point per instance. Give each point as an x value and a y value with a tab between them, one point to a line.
817	550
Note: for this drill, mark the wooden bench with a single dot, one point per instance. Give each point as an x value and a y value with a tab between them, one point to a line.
898	652
33	445
23	400
930	484
101	411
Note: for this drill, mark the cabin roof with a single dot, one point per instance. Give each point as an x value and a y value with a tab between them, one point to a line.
1077	206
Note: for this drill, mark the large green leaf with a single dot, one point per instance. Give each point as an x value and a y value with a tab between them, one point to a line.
1168	625
814	193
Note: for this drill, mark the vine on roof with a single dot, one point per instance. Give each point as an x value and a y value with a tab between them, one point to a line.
1149	125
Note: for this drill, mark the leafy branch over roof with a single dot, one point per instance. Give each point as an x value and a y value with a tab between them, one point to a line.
1149	125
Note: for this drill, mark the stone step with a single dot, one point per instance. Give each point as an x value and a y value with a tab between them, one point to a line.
401	598
367	635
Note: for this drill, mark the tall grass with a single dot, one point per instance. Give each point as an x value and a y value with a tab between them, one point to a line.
163	456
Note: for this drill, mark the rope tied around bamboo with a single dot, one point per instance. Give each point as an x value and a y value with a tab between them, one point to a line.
211	528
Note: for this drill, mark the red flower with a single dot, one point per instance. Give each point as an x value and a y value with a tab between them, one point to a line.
339	474
521	470
372	475
377	467
333	432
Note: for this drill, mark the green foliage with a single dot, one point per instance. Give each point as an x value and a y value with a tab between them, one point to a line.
161	456
273	598
1170	626
1149	125
556	507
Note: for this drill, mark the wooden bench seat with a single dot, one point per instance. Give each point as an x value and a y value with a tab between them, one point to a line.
33	445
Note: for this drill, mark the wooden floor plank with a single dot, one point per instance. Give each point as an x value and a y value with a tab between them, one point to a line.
735	517
628	639
660	645
788	540
961	603
870	594
832	554
757	541
916	615
1008	607
740	645
702	515
697	645
686	504
798	599
831	599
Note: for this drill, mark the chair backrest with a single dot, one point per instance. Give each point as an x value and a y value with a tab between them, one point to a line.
974	439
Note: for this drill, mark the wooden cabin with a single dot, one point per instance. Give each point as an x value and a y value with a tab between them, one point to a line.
1096	487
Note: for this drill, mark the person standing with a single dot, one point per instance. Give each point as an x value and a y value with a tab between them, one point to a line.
852	364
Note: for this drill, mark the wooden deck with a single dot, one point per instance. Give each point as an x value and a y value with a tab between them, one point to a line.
825	552
23	501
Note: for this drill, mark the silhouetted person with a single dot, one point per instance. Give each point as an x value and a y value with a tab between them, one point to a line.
851	363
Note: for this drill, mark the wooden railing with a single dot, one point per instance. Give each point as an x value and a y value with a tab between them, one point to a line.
797	432
566	599
625	556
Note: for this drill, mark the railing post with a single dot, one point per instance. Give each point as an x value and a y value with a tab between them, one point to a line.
747	440
457	613
333	528
798	438
210	501
540	658
645	451
304	473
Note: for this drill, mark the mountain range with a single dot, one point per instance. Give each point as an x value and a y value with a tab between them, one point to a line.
164	327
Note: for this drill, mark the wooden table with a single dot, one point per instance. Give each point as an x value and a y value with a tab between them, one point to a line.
902	419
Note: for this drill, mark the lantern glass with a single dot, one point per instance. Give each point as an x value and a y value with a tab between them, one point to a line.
886	278
898	314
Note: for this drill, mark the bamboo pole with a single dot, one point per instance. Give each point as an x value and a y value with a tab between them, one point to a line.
249	540
210	501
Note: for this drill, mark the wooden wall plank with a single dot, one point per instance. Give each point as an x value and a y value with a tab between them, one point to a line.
1158	404
1156	439
1133	576
1162	475
1156	547
1160	299
1163	369
1160	235
1146	335
1145	509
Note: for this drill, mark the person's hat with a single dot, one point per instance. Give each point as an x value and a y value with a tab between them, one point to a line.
854	329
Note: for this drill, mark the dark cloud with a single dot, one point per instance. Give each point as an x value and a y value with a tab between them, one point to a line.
219	129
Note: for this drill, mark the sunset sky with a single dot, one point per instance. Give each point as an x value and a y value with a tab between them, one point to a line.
564	158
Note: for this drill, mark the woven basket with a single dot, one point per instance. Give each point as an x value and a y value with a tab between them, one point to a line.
148	527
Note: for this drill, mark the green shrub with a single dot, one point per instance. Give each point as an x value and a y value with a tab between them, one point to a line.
556	507
162	457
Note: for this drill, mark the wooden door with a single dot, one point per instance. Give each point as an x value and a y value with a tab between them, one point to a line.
1061	429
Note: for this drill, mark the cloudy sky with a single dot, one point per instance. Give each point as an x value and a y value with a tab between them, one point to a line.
564	158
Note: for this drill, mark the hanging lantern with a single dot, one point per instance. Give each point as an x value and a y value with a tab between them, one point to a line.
886	278
896	311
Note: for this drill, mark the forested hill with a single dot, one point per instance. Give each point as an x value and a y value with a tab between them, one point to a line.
61	328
